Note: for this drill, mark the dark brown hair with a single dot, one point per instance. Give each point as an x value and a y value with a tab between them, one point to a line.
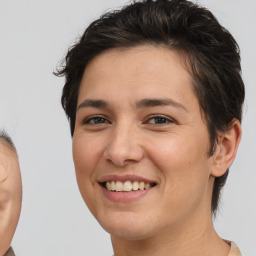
211	53
4	137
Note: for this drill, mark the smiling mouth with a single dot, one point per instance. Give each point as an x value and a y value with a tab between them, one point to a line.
127	186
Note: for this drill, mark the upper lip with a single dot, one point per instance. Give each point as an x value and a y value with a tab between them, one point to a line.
123	178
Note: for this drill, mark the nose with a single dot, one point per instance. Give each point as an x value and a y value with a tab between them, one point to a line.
123	147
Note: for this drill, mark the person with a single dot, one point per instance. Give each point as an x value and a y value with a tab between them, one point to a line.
10	193
154	94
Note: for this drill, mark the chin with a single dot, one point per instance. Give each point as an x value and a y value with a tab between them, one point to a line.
128	232
127	225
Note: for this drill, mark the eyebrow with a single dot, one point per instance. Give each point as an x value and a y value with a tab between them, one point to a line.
159	102
145	103
93	103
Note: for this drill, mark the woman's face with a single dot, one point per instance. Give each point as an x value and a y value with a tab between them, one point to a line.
140	144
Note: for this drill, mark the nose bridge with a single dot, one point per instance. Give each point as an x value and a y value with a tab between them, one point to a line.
123	144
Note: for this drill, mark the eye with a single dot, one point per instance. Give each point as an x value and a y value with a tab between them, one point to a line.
96	120
159	120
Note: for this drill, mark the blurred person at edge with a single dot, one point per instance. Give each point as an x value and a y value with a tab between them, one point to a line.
154	96
10	193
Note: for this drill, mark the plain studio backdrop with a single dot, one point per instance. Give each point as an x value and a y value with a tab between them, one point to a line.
34	35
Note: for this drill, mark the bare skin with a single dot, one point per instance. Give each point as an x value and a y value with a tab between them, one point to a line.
10	194
138	118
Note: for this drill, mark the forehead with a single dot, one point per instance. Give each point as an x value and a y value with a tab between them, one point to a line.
144	58
143	70
8	156
6	148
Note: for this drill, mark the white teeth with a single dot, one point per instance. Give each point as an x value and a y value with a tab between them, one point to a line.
113	185
135	185
108	185
147	185
142	185
127	186
119	186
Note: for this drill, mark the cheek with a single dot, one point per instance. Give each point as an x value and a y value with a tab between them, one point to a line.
177	151
87	152
84	166
84	154
184	165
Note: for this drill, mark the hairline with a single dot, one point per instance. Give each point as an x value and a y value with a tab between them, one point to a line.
7	140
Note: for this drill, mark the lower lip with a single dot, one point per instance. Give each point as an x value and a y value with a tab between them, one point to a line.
125	196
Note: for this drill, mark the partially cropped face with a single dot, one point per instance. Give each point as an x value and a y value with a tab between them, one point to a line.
10	195
140	144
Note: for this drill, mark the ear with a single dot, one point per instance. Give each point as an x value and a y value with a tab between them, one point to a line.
226	149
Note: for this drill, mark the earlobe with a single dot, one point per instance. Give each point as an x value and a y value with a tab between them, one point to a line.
226	149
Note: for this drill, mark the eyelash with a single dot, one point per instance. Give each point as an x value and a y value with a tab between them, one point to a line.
167	120
163	120
87	121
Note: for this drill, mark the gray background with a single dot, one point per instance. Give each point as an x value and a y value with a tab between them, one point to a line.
34	36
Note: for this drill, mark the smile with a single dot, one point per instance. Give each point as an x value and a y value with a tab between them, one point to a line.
127	186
